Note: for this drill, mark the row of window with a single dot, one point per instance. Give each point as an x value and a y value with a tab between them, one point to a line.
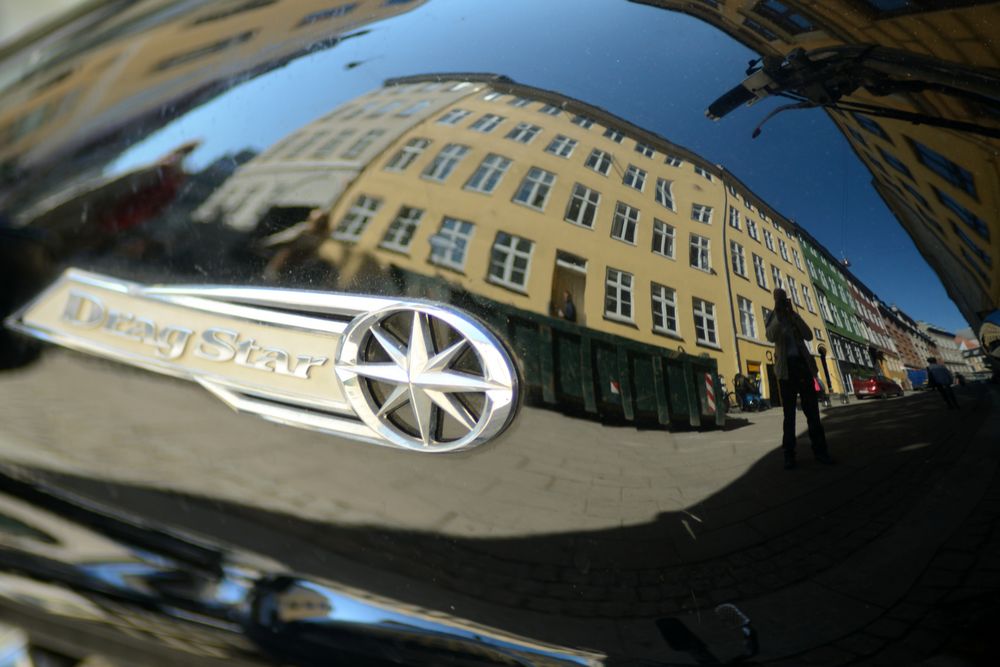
790	255
619	299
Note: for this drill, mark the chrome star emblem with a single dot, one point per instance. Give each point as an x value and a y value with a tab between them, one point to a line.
427	378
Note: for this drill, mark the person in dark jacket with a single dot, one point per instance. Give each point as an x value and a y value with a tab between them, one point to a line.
568	309
795	369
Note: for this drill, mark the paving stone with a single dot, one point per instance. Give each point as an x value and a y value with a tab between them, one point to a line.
828	655
888	628
862	644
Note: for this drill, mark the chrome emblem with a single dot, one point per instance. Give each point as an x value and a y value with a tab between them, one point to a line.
444	370
393	372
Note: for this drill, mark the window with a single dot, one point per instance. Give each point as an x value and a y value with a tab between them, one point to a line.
701	213
748	321
634	177
808	299
599	161
701	258
614	135
523	133
330	146
734	217
664	309
357	218
202	51
450	244
488	174
535	188
704	322
945	168
644	149
453	116
971	245
663	239
618	295
783	248
445	161
797	259
776	278
793	290
391	106
787	19
769	240
582	121
361	144
895	162
752	230
872	126
664	193
701	171
766	312
737	259
407	154
492	96
583	203
487	123
968	217
759	271
399	236
562	146
673	161
519	102
550	110
624	223
817	332
510	261
325	14
758	28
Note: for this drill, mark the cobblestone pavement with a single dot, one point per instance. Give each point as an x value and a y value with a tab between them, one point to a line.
573	532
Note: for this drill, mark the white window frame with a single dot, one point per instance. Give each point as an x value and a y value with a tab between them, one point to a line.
487	123
403	226
509	253
768	240
535	188
453	116
672	161
664	239
618	288
357	218
760	270
706	332
561	146
796	259
701	213
589	202
808	299
444	163
362	144
488	174
793	289
752	230
663	300
634	177
748	319
701	250
644	149
626	222
783	249
776	278
550	109
738	259
614	135
664	194
448	237
523	133
582	121
734	217
408	154
701	171
599	161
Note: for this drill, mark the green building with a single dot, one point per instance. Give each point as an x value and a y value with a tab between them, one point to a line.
847	349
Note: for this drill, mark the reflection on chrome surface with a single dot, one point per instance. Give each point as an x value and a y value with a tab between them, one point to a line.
552	174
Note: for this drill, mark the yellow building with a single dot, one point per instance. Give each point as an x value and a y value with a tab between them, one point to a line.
520	195
128	75
937	181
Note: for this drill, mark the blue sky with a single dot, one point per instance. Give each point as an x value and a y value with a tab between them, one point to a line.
655	68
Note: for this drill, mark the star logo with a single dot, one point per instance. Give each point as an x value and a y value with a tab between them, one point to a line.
426	378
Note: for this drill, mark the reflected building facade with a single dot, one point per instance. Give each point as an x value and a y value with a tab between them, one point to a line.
939	183
531	200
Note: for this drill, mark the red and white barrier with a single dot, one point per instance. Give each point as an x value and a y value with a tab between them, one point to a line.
709	392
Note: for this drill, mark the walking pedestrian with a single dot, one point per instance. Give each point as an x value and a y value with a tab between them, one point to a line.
940	378
796	371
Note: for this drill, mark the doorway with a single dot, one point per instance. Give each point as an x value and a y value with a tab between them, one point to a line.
570	275
772	385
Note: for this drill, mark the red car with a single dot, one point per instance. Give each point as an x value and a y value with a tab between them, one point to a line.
878	386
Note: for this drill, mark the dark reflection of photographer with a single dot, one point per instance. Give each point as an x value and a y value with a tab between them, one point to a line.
795	369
